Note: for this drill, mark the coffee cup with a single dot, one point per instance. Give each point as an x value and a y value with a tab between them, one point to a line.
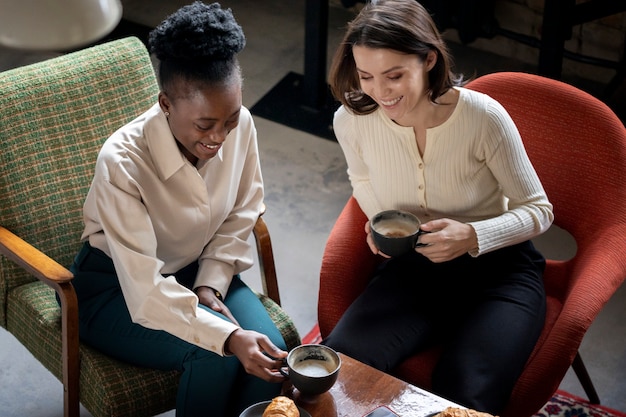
395	232
313	369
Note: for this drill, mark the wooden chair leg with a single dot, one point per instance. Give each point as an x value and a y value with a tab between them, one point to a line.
585	380
71	355
58	278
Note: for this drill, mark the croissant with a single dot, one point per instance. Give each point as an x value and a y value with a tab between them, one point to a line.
281	407
462	412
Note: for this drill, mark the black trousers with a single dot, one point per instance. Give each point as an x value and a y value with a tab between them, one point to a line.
488	313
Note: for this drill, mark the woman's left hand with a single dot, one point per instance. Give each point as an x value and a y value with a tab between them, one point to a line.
448	239
207	297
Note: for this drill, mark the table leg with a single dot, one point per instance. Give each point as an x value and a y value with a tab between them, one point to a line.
304	101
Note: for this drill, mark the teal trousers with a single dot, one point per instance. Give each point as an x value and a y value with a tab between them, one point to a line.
210	385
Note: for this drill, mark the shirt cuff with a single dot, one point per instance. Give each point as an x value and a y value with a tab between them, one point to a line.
214	274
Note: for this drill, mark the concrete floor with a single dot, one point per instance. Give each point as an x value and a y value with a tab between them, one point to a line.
306	187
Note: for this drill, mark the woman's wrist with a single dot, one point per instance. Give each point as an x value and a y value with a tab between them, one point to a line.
215	292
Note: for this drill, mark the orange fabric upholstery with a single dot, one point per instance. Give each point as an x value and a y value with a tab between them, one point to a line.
578	147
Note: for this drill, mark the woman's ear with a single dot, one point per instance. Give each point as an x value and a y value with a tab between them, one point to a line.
164	102
431	60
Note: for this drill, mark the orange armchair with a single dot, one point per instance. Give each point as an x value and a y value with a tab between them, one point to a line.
578	147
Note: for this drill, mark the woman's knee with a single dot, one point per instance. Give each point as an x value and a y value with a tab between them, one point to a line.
472	385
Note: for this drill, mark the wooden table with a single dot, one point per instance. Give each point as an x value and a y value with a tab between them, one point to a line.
361	388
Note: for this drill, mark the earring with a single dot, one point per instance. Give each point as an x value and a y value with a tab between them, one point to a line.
167	114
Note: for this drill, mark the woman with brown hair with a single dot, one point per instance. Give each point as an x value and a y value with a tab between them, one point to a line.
415	139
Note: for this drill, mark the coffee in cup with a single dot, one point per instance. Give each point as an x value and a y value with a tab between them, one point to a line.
395	232
313	369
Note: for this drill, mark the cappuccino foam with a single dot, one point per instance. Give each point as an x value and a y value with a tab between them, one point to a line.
313	368
395	228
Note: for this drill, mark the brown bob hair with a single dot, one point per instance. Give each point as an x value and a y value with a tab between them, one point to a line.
401	25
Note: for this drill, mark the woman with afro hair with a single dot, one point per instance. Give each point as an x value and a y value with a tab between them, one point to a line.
175	195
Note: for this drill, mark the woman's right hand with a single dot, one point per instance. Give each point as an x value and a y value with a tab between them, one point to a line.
258	355
370	241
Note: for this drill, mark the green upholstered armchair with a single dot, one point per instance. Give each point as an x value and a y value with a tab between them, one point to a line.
55	116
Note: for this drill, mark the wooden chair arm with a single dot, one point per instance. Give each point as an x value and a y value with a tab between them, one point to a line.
59	278
266	259
32	260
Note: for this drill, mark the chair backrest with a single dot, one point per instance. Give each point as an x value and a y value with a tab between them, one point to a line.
55	116
578	147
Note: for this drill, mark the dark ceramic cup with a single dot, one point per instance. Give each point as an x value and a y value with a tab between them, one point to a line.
313	369
395	232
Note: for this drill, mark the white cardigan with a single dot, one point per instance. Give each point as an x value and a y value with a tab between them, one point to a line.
474	170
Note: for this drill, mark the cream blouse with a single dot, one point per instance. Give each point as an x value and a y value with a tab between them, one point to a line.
154	212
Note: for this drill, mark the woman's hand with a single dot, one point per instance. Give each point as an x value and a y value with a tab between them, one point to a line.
258	355
207	297
370	241
448	239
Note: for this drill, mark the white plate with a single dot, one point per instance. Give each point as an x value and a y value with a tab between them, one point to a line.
256	410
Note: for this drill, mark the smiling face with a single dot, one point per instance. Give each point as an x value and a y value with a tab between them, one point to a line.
397	82
200	118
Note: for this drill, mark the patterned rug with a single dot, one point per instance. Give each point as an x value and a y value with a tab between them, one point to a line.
562	404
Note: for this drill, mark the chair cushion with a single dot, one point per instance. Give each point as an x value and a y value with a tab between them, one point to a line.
107	387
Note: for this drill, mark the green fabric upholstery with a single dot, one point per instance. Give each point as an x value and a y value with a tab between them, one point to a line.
108	387
282	321
56	115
